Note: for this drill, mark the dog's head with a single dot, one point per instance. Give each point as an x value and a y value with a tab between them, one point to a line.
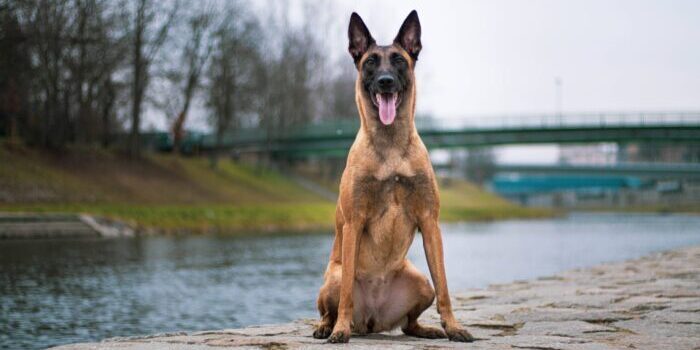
385	86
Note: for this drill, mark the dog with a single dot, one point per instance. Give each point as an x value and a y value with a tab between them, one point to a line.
387	191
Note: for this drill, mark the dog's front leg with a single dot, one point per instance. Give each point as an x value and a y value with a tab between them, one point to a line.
351	235
432	243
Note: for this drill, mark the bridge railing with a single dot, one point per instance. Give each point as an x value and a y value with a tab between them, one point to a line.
347	128
556	121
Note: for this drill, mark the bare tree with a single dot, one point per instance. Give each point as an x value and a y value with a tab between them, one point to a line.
14	71
149	33
82	71
304	82
340	100
233	76
479	165
47	24
290	71
68	50
194	41
98	53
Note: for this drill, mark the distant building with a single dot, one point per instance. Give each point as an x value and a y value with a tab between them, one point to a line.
595	191
596	154
664	153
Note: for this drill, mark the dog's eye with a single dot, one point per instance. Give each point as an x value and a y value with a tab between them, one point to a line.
371	61
398	60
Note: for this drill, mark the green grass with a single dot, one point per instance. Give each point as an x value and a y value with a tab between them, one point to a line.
178	194
463	201
162	192
657	209
203	218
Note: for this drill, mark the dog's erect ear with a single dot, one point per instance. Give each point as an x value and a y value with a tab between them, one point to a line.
360	38
409	35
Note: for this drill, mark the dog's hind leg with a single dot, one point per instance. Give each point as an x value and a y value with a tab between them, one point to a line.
415	329
329	295
409	295
422	297
327	302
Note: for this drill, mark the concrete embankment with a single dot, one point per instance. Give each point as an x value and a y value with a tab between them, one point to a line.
38	225
647	303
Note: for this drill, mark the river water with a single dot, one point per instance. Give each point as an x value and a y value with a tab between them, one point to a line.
62	291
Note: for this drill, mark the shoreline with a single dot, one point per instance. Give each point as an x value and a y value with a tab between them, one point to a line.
137	220
222	220
169	194
652	302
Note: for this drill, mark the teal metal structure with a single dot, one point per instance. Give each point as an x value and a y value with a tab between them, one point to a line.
333	138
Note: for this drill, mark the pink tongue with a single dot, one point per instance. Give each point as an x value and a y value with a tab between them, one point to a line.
387	108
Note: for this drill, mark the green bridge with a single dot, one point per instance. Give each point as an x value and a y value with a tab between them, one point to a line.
333	138
666	171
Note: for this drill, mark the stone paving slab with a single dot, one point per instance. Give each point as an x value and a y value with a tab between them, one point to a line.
647	303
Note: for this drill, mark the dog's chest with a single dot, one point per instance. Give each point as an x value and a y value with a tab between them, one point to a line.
396	191
390	206
394	165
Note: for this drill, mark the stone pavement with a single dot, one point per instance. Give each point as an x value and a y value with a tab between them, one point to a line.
648	303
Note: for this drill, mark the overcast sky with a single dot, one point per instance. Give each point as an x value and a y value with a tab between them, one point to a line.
502	57
483	59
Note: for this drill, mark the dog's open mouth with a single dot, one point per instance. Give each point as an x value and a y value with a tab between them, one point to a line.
386	103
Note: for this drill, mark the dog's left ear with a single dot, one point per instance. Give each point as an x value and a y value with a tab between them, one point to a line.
409	35
360	38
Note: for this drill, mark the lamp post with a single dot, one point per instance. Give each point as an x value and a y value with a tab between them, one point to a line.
558	93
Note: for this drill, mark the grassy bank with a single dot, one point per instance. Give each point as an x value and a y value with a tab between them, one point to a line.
175	194
463	201
204	218
652	209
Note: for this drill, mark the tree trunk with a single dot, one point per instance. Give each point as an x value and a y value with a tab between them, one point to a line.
138	82
135	142
178	132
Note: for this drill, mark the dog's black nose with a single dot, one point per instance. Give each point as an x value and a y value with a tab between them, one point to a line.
385	81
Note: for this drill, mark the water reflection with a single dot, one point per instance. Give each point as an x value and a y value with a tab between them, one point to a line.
56	292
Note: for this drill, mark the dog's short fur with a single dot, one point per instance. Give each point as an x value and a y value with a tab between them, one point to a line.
388	190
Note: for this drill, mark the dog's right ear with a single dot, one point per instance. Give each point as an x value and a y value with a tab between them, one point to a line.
409	35
360	38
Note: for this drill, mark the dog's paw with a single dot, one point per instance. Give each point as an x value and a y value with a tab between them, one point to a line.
425	332
339	337
459	334
433	333
322	331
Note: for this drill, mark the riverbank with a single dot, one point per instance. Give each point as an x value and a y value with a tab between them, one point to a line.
648	303
29	226
169	194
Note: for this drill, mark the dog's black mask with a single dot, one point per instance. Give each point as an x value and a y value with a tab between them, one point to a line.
385	70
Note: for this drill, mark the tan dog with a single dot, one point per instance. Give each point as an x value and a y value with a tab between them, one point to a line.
388	190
